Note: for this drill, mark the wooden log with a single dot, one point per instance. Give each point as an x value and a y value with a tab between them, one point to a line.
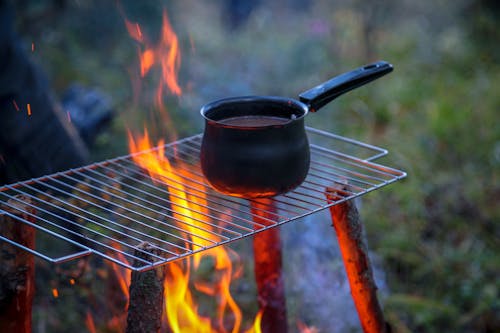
349	230
268	270
17	274
146	296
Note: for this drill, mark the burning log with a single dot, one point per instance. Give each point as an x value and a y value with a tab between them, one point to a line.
268	270
146	295
17	276
348	227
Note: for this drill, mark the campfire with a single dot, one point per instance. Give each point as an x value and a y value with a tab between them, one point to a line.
154	218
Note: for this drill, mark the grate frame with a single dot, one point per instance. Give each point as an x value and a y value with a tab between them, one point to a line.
110	207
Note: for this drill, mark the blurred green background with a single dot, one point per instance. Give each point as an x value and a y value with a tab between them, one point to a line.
437	231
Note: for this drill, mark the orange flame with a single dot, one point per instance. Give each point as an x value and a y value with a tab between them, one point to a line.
190	211
166	56
123	276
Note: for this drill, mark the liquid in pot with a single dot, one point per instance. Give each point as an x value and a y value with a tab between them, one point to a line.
254	121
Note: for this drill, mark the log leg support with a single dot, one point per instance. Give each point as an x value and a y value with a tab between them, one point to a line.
268	271
349	231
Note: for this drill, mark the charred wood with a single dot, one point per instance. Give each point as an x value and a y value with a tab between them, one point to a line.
146	295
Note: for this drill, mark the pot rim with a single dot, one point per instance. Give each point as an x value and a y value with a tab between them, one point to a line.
301	109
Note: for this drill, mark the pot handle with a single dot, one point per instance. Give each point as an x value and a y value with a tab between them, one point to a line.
319	96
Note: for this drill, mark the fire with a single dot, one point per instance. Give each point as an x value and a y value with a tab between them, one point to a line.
256	324
191	211
123	276
181	310
166	56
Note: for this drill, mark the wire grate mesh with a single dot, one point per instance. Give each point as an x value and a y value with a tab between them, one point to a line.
112	207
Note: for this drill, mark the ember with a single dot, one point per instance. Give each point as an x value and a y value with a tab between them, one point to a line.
15	105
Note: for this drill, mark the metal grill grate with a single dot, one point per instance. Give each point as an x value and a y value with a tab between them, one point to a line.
111	207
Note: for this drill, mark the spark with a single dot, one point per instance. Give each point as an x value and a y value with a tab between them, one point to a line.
32	47
55	292
28	106
15	105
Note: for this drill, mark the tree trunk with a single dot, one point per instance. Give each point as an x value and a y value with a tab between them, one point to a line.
17	275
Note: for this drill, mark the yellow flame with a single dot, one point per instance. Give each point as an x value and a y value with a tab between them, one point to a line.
256	324
190	211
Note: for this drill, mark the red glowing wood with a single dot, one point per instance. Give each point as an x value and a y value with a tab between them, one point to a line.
348	227
268	270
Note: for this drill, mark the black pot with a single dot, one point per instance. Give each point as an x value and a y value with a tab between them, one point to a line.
256	146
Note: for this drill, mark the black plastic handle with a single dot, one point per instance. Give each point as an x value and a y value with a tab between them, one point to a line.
321	95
